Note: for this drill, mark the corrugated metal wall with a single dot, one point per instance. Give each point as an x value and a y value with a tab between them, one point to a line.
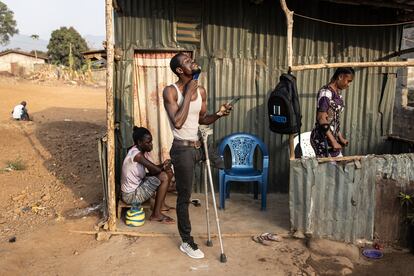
338	200
243	52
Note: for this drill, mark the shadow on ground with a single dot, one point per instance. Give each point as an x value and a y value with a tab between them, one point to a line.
71	136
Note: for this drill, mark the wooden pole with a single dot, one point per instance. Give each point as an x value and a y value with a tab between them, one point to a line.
158	235
340	159
110	115
289	22
353	64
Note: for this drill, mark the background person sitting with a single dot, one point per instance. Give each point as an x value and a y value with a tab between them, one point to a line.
20	112
137	186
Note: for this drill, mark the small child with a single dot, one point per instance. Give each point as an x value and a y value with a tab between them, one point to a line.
137	185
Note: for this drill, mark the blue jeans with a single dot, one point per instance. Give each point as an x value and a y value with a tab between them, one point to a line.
184	159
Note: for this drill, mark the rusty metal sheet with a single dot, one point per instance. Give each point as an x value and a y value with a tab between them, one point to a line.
338	200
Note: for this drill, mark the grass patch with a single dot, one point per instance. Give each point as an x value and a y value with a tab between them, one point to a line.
15	165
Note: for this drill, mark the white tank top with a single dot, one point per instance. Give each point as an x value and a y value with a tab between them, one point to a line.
189	130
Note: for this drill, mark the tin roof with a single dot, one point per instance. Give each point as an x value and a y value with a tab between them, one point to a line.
21	53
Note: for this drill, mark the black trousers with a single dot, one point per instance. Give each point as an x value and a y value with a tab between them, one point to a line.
184	159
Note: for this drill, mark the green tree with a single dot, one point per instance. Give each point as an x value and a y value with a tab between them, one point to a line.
66	46
7	24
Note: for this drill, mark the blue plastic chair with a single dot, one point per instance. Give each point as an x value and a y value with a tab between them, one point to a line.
242	147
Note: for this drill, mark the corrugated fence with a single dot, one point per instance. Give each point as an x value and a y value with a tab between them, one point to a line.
338	200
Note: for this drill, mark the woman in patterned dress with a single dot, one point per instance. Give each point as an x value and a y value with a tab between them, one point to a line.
326	138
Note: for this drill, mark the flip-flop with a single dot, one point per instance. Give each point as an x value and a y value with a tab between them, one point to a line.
271	237
259	239
164	220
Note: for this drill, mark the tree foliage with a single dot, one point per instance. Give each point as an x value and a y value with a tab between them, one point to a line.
7	24
62	42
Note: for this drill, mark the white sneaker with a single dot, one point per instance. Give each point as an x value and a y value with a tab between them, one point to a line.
190	251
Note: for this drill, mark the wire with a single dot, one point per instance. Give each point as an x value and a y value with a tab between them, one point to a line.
353	25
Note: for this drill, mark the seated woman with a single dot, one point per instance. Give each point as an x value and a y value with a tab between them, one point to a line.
137	186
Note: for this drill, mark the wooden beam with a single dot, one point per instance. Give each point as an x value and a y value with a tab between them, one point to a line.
398	138
340	159
110	115
289	23
187	33
353	64
396	54
191	26
157	235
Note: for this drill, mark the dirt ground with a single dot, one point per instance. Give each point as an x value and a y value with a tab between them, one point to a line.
41	205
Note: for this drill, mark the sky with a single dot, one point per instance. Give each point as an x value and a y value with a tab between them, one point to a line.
41	17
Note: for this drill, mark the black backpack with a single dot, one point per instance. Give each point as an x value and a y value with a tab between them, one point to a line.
283	106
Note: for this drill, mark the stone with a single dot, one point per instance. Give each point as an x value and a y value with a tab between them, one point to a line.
298	235
19	197
346	271
103	236
46	197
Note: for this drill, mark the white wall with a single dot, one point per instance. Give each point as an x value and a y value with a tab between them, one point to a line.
22	60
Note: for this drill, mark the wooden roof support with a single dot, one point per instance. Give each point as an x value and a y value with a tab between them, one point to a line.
110	115
289	23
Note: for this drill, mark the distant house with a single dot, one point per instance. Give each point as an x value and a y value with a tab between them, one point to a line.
19	62
96	60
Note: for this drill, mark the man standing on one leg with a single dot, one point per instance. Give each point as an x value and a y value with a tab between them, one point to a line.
186	105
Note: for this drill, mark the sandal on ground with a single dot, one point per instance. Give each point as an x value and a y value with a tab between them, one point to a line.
270	237
259	239
164	220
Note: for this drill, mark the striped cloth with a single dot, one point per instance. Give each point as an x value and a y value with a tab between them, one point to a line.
146	190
